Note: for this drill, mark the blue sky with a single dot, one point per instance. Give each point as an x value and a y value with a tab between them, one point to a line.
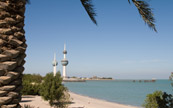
121	46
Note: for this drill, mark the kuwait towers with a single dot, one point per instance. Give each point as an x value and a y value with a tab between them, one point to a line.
64	62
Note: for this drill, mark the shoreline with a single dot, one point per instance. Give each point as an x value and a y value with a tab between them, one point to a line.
77	101
83	101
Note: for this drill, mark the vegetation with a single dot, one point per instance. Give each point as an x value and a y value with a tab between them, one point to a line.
31	84
53	90
12	48
143	8
13	43
166	101
30	89
33	78
146	12
49	87
150	101
159	100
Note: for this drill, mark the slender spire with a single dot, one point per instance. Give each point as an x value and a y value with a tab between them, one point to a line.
54	56
54	63
65	51
64	46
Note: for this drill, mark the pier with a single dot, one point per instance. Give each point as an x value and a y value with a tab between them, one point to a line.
73	80
153	80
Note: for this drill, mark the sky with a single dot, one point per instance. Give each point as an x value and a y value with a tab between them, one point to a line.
121	46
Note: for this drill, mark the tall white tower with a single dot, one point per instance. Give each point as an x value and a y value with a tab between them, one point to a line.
64	62
54	63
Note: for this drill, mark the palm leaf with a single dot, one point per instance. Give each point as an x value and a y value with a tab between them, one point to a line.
28	1
89	9
146	12
129	1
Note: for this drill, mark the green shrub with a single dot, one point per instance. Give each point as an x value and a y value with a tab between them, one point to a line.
150	101
36	78
31	84
159	100
166	101
30	88
53	90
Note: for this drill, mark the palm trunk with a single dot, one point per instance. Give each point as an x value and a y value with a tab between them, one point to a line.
12	51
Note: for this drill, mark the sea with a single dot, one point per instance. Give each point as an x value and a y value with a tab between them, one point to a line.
119	91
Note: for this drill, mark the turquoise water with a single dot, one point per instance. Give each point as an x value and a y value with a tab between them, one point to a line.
124	92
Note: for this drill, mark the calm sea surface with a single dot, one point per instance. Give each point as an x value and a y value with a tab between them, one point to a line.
119	91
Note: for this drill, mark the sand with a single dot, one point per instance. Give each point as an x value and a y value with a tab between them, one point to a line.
78	101
34	101
88	102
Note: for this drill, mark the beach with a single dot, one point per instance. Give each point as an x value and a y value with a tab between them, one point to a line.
78	101
88	102
34	101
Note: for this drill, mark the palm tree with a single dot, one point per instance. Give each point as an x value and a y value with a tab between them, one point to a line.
12	51
13	46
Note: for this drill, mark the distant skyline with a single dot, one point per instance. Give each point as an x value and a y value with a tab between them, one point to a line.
122	46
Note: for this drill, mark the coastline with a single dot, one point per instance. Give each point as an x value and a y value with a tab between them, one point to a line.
78	101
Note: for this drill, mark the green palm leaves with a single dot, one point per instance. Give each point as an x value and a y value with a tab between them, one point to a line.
146	12
28	1
143	7
89	9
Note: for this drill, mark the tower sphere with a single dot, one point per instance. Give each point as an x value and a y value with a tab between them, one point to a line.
65	52
64	62
54	63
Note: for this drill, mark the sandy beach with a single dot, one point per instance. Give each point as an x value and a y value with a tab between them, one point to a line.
78	101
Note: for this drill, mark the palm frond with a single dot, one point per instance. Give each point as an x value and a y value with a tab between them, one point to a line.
87	4
146	12
129	1
28	1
